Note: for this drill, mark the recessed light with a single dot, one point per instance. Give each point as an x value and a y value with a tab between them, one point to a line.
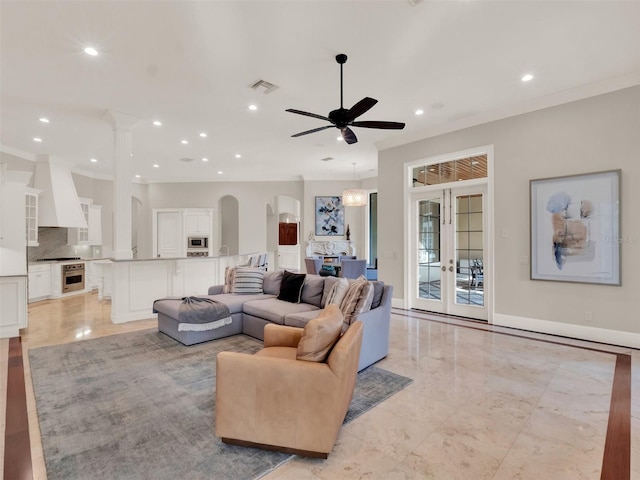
137	176
419	111
253	107
44	120
203	135
157	123
155	165
220	172
93	160
238	155
339	138
527	77
91	51
36	139
184	142
205	159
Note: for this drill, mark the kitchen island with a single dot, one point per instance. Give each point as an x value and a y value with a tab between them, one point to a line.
133	284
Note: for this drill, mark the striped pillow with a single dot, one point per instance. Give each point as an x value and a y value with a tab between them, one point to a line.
248	281
357	300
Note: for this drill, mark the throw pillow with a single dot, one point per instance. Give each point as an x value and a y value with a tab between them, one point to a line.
291	287
248	281
272	281
229	273
378	290
320	335
357	300
338	291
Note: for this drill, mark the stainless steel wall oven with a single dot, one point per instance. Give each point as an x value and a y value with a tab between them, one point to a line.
72	277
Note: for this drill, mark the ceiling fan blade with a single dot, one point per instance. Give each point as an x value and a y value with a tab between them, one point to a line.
348	135
312	131
361	107
375	124
300	112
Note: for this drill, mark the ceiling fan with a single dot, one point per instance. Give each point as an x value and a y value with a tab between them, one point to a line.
344	118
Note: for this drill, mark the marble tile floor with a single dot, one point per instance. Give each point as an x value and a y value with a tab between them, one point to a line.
484	404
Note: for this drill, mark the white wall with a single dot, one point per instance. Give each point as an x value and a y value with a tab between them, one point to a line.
595	134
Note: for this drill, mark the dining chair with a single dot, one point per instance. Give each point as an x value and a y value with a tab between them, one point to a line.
350	268
313	265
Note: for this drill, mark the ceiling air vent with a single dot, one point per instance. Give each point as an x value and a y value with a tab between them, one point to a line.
186	159
326	159
264	86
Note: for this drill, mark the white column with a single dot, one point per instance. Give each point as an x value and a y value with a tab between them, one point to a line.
122	173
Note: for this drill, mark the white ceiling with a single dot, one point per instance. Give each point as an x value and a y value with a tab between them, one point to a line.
190	64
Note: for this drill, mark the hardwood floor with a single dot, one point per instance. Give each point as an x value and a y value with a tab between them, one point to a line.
486	402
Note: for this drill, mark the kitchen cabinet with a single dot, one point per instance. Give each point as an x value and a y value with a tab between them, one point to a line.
197	224
169	240
13	303
31	216
39	281
92	235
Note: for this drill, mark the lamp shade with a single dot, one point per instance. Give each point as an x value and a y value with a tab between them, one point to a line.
354	197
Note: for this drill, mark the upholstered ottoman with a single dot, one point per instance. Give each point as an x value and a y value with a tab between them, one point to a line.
168	310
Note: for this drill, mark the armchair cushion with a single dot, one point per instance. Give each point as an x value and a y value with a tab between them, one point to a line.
320	335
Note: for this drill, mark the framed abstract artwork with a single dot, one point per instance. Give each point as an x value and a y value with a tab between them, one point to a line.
575	228
329	216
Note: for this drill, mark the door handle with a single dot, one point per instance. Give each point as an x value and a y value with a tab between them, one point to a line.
451	269
444	269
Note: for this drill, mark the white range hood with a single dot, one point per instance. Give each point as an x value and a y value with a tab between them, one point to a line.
58	204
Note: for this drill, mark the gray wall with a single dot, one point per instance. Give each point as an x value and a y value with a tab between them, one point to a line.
595	134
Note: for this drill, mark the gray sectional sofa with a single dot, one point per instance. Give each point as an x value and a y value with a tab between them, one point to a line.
251	312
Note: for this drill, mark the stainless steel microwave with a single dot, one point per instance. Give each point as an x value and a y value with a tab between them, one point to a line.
198	242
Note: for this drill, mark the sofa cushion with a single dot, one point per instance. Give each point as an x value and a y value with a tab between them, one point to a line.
320	335
271	284
357	300
312	290
275	310
291	287
248	281
378	290
300	319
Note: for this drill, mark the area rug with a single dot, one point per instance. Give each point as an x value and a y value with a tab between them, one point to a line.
141	406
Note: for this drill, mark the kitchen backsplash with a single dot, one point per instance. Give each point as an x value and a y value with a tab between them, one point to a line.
53	244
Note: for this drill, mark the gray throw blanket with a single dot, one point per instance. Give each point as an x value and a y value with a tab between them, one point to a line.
201	310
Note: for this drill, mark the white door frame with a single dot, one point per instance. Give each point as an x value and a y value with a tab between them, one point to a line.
409	190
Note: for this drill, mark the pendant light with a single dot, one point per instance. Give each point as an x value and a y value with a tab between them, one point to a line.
354	197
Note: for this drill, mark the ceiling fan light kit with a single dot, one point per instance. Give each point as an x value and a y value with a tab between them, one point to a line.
343	118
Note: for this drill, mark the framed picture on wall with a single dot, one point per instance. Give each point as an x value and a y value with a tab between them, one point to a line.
575	228
329	216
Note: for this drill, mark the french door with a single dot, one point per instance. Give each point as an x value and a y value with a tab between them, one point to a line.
448	251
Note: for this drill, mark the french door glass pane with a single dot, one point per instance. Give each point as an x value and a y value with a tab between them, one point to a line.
428	254
469	248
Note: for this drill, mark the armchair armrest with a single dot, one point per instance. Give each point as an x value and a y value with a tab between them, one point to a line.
281	335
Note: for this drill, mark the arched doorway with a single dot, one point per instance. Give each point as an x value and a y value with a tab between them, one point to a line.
229	225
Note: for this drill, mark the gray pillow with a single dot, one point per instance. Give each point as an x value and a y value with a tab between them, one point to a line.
271	284
378	290
312	290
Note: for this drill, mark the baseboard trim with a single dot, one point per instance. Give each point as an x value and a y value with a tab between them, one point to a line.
582	332
397	303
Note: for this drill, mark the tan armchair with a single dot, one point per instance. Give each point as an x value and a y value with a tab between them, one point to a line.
271	400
